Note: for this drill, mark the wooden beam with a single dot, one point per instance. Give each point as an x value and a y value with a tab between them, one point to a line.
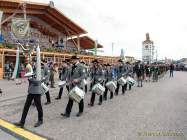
62	22
32	12
55	21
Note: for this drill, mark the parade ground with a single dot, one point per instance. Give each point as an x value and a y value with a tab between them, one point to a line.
157	111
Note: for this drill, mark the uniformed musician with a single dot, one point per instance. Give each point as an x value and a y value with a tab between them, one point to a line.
121	72
85	73
64	76
76	77
109	76
97	76
34	93
46	74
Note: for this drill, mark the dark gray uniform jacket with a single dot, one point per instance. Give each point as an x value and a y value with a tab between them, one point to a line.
76	74
121	71
65	74
35	86
45	74
108	75
97	75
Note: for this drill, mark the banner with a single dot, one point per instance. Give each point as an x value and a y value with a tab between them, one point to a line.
20	28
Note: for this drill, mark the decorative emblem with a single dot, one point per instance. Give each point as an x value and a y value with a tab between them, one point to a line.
20	28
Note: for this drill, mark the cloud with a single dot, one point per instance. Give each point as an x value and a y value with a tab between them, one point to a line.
125	23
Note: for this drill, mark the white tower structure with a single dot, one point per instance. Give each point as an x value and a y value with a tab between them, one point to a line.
147	50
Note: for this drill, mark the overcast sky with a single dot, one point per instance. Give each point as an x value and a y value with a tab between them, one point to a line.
125	22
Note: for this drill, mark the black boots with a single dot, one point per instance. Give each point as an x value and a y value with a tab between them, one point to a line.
38	123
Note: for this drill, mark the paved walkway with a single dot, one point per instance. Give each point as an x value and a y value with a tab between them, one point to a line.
6	136
156	111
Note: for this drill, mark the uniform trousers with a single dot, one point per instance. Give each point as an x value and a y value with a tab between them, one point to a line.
124	88
92	100
70	105
48	97
37	101
105	94
61	91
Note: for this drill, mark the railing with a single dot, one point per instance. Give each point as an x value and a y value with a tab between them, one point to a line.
7	75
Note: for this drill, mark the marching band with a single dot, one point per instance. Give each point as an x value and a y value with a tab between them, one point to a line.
102	77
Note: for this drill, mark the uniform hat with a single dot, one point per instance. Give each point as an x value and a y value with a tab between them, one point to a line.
43	61
74	57
82	62
108	64
120	60
95	61
66	61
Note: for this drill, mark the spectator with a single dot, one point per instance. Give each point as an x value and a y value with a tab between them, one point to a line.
171	68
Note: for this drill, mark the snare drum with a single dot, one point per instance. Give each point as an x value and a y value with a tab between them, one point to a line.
122	81
62	84
98	89
76	94
44	87
130	81
111	85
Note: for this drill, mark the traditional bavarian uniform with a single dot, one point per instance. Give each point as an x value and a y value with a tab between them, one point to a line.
64	76
85	73
109	76
34	93
97	76
129	72
121	70
76	76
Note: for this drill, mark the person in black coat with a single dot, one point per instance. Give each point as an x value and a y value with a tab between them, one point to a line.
171	69
139	70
